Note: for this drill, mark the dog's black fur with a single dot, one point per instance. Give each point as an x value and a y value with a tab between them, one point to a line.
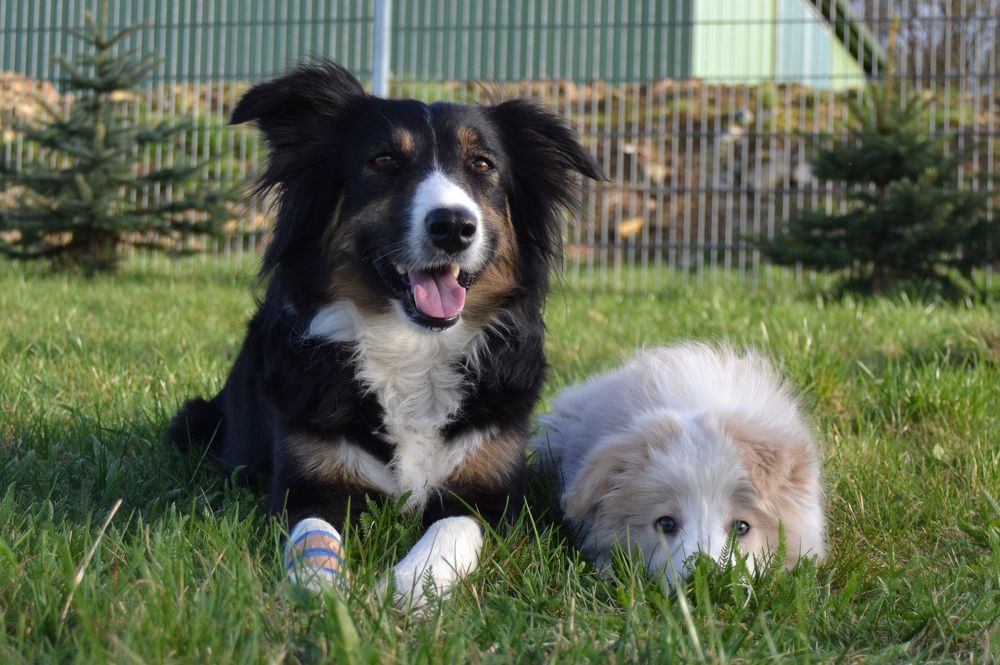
336	213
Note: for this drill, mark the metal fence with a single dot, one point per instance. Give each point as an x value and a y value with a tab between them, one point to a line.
700	111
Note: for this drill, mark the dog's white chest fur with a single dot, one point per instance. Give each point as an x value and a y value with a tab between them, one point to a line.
416	377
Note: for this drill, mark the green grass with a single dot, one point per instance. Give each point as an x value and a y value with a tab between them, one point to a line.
905	397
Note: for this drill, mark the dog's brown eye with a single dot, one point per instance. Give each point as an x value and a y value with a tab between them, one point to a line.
666	524
384	160
481	165
741	528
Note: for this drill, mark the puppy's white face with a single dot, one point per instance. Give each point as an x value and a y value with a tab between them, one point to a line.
693	497
674	487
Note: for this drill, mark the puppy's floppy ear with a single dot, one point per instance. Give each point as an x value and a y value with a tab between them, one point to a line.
784	467
543	151
618	458
780	459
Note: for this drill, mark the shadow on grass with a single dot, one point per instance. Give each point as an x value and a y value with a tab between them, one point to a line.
980	288
81	467
142	271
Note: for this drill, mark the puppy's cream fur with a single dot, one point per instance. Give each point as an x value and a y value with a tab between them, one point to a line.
706	436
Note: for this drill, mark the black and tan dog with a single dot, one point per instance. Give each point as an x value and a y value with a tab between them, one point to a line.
398	349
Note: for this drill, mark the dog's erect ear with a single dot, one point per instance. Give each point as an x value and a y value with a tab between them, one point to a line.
618	458
299	114
531	130
544	151
287	106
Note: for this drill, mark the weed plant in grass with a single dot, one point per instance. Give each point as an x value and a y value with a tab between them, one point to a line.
188	569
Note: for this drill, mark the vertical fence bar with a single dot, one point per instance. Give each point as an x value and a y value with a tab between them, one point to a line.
992	104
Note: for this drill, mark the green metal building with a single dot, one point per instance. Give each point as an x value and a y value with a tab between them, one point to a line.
816	42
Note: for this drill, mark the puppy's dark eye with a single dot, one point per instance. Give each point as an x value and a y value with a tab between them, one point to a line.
741	528
480	165
666	524
384	160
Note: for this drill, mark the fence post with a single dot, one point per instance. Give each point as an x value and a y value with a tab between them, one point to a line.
383	48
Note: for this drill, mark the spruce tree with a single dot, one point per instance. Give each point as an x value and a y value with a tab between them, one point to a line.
906	222
88	194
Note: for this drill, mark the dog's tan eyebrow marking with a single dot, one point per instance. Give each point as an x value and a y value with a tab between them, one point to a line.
404	140
468	139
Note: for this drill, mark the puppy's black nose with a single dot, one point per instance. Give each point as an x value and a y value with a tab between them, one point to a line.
451	229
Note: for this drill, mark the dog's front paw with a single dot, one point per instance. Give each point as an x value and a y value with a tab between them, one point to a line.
314	555
445	554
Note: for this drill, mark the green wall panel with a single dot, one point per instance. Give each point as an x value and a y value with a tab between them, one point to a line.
734	40
513	40
506	40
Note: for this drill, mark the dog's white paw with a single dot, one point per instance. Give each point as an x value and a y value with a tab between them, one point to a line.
445	554
314	555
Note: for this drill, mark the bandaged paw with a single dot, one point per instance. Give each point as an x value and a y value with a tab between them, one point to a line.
446	553
314	555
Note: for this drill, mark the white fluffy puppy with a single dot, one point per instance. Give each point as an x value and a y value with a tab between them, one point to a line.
680	448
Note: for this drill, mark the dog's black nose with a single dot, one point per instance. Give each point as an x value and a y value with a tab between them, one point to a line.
451	229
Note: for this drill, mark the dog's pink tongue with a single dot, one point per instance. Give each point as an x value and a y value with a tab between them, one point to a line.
437	293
